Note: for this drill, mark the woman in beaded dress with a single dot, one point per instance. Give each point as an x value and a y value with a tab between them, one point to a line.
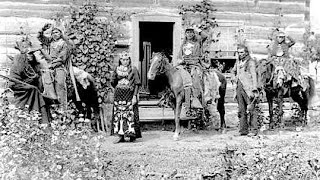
126	82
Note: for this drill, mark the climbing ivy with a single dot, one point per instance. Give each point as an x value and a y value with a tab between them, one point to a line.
95	40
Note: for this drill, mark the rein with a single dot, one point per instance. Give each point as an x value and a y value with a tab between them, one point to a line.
162	66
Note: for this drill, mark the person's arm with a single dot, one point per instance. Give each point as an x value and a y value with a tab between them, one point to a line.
137	84
41	37
253	72
62	56
114	79
291	41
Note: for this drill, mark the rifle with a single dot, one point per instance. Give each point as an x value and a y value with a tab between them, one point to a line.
53	101
18	81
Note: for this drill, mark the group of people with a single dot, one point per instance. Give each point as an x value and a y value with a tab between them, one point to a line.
29	79
192	61
32	72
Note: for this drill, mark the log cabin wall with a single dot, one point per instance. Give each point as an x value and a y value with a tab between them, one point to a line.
255	17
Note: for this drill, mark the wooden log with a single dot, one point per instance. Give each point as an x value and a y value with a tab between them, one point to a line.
29	13
257	19
33	6
14	25
244	6
260	32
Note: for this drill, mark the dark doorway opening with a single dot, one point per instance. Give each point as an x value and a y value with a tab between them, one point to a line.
224	65
154	37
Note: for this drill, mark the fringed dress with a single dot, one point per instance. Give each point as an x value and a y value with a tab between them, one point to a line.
125	117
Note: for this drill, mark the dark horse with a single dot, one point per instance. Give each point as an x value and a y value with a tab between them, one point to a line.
272	80
160	65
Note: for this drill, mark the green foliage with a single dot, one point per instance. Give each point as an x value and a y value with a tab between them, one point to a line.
95	43
201	16
204	11
29	150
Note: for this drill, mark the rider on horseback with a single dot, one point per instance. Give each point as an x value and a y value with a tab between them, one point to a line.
189	64
279	55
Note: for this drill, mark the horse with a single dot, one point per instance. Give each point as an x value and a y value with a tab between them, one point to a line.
273	82
160	65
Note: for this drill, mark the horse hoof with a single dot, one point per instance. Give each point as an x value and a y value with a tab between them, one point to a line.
223	131
175	138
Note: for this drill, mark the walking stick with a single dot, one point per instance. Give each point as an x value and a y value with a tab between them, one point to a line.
18	81
74	82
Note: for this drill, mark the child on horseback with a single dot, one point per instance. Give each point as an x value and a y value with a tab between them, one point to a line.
190	67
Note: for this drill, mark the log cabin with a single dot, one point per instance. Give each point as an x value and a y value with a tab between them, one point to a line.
156	24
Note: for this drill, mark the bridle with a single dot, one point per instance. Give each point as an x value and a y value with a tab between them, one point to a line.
162	64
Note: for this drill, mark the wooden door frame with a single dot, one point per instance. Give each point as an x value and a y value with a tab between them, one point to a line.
155	17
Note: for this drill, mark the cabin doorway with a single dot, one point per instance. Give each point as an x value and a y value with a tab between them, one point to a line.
154	37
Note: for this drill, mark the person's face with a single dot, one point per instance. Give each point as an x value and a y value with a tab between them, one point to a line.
280	39
242	53
189	34
30	57
125	61
56	34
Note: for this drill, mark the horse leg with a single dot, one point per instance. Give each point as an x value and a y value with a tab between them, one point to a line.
221	110
270	105
280	101
177	112
302	100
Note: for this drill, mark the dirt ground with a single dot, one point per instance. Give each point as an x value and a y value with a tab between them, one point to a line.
157	155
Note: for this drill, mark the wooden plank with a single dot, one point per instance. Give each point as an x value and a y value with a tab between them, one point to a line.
29	13
158	114
33	6
244	6
257	19
66	2
290	1
14	25
260	32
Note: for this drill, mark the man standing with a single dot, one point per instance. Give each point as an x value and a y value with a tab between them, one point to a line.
247	94
57	53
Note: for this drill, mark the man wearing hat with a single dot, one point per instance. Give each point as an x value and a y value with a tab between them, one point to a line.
190	66
57	53
281	45
279	53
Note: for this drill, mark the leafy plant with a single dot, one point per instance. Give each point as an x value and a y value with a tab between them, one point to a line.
95	40
201	15
29	150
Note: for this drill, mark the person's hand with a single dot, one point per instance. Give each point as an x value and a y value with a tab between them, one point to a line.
46	26
134	100
32	50
233	79
179	61
255	93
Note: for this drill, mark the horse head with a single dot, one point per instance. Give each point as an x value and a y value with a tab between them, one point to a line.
264	72
158	65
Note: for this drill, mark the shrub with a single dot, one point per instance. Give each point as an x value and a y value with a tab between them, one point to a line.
29	150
